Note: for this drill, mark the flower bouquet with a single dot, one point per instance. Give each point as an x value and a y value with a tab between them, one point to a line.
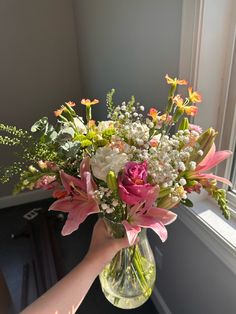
130	169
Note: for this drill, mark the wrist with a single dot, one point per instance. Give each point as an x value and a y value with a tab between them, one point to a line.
94	262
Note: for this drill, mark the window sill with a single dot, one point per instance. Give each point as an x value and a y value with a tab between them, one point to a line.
207	223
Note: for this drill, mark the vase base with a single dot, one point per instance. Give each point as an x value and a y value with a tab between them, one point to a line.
127	303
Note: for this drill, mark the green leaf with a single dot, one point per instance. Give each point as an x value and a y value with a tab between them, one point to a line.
40	125
187	202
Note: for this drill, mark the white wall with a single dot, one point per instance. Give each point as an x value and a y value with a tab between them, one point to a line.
128	45
38	62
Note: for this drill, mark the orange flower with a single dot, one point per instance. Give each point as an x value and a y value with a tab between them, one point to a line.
71	103
153	113
58	112
175	81
194	96
191	110
88	102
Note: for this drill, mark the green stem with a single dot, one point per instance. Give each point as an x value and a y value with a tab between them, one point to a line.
88	113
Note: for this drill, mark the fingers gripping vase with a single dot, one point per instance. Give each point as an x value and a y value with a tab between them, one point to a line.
127	281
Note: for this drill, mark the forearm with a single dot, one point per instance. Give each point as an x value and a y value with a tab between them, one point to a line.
69	292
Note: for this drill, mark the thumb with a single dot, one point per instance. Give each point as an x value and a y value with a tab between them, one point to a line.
122	243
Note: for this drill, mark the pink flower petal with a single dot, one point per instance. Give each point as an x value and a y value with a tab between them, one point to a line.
207	158
217	178
84	169
67	180
131	231
211	160
63	205
152	223
78	214
163	215
151	196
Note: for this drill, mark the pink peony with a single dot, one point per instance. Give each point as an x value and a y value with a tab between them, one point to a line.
133	186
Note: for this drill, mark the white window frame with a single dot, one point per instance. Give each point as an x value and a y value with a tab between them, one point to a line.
206	60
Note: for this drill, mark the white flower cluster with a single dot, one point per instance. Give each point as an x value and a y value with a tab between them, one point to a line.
169	158
107	159
137	132
107	203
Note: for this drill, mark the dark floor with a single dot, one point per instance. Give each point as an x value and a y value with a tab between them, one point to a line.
14	253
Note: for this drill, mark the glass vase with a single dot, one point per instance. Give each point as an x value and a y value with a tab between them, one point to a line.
127	281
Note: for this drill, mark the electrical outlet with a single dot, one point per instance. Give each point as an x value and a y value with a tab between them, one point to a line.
158	256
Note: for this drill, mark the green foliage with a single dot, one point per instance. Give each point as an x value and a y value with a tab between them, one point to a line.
109	102
107	134
131	104
187	202
7	173
220	196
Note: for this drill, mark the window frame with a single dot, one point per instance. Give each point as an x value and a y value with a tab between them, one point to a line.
218	108
206	61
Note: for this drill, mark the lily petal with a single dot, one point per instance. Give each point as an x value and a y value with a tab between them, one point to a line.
78	215
217	178
67	179
163	215
63	205
131	231
212	159
152	223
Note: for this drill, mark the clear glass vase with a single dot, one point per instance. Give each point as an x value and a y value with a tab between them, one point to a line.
127	281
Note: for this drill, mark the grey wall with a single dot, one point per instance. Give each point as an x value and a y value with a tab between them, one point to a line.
38	62
128	45
192	280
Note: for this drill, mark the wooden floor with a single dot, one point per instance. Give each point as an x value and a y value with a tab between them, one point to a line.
14	253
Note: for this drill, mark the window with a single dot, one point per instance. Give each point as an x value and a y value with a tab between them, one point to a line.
208	61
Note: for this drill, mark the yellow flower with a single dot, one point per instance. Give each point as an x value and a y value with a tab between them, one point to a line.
88	102
194	96
175	81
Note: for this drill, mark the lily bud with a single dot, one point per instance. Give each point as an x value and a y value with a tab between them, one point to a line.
112	181
167	203
164	192
32	169
204	143
179	112
184	125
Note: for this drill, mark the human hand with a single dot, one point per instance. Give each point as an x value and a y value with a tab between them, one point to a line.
103	246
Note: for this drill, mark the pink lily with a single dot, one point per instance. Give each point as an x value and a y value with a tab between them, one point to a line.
80	201
146	215
211	160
